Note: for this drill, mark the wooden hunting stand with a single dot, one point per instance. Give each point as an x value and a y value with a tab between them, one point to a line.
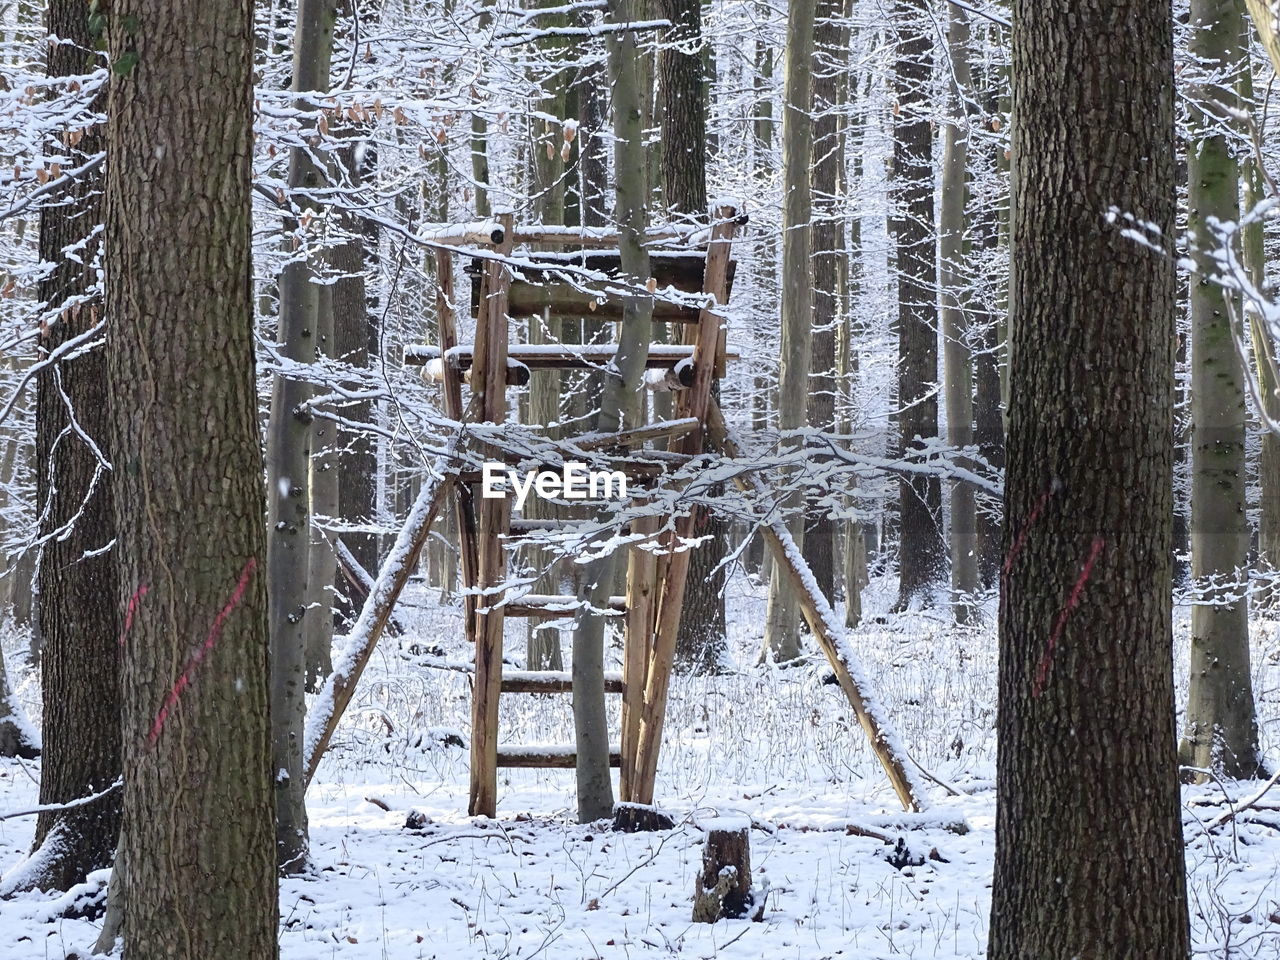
656	580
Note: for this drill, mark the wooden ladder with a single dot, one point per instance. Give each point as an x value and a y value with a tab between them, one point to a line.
650	609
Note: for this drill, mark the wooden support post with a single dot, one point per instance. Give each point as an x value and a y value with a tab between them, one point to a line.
690	403
822	621
489	385
464	508
642	599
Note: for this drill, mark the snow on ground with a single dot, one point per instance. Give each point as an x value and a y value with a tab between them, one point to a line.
771	745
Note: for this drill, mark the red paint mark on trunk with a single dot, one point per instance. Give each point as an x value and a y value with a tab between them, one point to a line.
1021	539
1042	672
184	679
131	609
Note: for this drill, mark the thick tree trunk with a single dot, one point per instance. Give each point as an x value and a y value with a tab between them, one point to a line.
831	62
762	158
700	642
921	553
549	147
1221	729
289	492
782	623
15	736
354	336
1089	854
958	364
78	583
197	834
619	408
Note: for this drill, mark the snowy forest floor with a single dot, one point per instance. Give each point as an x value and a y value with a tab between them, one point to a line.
773	745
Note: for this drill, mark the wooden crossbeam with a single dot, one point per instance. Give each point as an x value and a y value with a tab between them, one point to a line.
551	681
550	756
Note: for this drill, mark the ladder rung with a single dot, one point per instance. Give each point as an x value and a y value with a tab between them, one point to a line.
543	606
550	755
550	681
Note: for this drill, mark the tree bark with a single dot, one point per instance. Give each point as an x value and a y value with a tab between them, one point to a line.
957	361
289	449
619	408
700	642
1089	853
782	622
354	337
197	831
921	553
78	582
15	740
831	62
1221	730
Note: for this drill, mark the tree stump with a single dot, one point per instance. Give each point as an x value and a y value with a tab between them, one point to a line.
724	885
640	818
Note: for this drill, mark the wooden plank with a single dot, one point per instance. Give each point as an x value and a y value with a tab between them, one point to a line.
493	515
822	622
546	757
551	681
464	506
641	600
690	403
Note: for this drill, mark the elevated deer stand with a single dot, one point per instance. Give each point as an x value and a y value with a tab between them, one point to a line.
655	582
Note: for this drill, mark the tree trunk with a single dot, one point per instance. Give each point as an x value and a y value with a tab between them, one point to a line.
354	336
15	734
700	642
831	62
782	622
619	408
548	145
1253	252
322	564
289	440
1086	673
921	554
952	254
78	583
201	879
1221	729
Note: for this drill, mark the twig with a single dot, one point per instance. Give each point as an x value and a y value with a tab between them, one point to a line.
69	805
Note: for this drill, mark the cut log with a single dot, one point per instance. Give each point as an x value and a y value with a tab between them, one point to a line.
549	756
723	889
539	289
550	681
